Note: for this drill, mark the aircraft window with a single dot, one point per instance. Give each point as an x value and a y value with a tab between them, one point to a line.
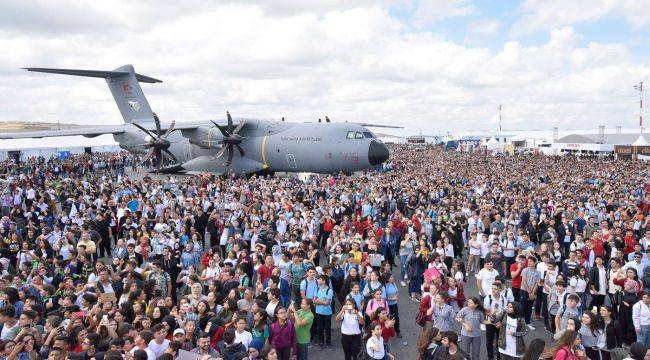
368	134
350	135
358	135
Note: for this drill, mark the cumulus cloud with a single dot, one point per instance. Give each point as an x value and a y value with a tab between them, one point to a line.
429	12
542	15
484	27
354	63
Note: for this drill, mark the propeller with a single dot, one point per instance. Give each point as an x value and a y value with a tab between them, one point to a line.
157	143
231	138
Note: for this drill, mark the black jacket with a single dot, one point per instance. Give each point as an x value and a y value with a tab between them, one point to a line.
232	352
614	335
593	277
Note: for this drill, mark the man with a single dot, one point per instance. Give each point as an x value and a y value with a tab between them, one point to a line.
571	265
141	343
162	280
637	265
529	284
568	310
309	285
515	275
105	285
641	319
88	348
323	301
10	325
265	270
598	283
203	345
159	344
494	305
497	258
485	278
229	348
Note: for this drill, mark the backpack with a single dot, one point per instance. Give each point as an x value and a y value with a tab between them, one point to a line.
556	306
366	299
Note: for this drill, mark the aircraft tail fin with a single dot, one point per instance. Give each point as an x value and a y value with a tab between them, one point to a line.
124	85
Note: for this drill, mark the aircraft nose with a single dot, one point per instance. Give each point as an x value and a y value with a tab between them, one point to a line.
377	153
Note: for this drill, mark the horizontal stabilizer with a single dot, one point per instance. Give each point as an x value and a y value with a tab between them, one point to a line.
381	126
94	73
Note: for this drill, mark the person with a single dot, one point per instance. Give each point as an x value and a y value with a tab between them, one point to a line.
592	336
534	350
428	344
598	283
638	351
568	310
442	314
567	348
450	341
375	344
323	300
512	329
530	279
641	319
494	305
392	296
471	317
515	275
282	335
303	320
613	331
485	278
351	324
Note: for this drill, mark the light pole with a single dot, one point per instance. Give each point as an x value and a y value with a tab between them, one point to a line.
500	118
639	87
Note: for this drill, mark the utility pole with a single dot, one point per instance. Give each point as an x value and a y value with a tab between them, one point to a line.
639	87
500	118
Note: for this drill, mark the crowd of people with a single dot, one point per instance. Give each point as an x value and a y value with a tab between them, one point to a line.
98	261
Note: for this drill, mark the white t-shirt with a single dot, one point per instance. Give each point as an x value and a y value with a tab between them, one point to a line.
150	354
487	278
370	348
158	349
6	330
245	338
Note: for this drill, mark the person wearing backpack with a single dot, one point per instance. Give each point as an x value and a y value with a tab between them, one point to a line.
323	301
369	290
568	310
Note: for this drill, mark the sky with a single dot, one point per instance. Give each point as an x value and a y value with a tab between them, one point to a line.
430	66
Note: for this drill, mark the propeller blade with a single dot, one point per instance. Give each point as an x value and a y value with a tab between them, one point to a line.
229	161
146	156
145	130
230	125
223	131
171	128
157	121
241	150
221	152
239	127
170	155
159	159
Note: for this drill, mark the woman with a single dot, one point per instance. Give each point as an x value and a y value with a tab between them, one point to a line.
592	336
375	344
442	313
578	284
471	317
512	329
260	328
450	342
351	323
567	348
428	348
406	252
613	331
375	303
534	350
392	295
629	298
456	294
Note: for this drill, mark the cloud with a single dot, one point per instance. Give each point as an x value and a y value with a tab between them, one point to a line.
484	27
355	63
429	12
544	15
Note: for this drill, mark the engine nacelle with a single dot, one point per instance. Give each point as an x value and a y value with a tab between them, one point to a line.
204	137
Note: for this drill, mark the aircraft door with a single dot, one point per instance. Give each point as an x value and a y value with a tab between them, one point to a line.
291	161
187	152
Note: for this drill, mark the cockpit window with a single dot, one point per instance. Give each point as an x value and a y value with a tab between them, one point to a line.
368	134
358	135
350	135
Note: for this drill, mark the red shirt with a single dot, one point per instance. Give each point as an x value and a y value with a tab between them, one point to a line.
630	241
264	272
516	281
386	332
328	225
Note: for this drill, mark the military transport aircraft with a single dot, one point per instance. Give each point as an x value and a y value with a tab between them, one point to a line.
262	146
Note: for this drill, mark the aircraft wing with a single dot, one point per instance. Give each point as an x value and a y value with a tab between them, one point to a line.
89	131
380	126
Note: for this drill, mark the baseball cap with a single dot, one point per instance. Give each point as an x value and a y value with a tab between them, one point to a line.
179	331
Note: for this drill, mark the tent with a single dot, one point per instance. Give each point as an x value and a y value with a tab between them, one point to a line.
641	141
493	145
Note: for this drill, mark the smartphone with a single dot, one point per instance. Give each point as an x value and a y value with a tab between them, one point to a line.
105	318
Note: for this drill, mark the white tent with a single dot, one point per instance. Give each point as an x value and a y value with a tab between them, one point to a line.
641	141
493	145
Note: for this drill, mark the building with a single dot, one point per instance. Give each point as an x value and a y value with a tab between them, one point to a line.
595	144
22	149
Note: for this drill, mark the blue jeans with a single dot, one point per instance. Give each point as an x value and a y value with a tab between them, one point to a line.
644	335
527	305
303	351
403	266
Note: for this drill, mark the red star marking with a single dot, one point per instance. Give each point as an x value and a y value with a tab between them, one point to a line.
125	87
